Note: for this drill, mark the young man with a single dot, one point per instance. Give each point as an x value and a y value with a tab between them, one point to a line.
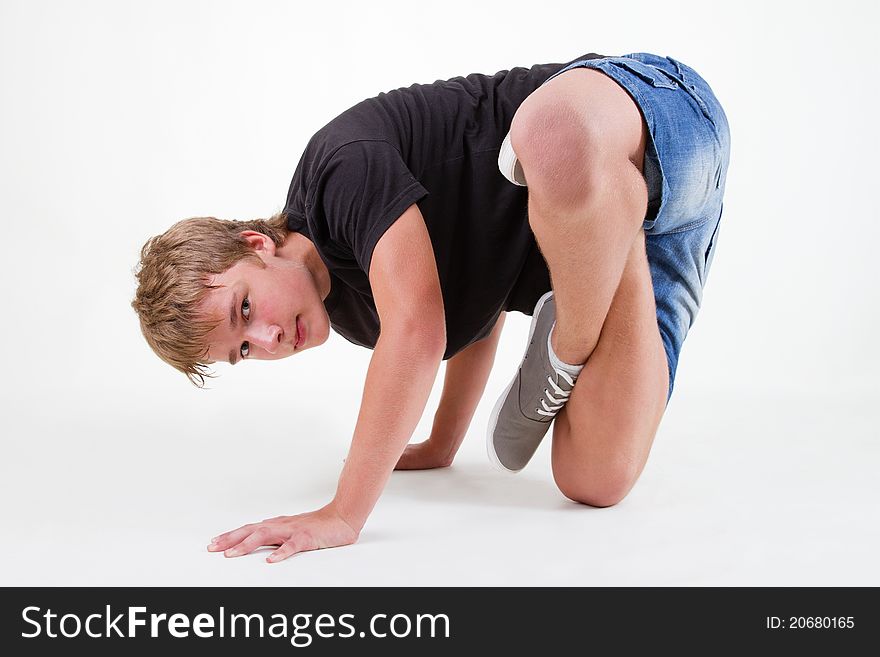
417	218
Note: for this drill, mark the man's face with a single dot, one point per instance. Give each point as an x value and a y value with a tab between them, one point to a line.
263	310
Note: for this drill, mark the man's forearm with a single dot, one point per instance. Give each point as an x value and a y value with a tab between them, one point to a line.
399	381
464	383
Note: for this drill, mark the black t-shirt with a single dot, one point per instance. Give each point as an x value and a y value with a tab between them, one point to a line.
435	145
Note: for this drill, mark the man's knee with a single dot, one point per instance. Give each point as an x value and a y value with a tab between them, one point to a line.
601	486
571	175
599	468
558	152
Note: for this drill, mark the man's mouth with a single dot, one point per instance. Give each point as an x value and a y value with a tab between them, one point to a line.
300	333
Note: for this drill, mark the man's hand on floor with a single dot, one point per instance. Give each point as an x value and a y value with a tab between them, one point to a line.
323	528
424	456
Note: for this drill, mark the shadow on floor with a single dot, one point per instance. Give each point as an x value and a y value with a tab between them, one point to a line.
478	486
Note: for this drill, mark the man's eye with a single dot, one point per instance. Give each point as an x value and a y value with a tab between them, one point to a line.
246	307
244	349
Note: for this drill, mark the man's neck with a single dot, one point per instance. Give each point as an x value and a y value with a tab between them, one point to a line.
299	248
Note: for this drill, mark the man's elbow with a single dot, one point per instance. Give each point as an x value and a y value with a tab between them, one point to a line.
416	335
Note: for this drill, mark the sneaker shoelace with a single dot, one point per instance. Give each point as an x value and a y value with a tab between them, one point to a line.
549	410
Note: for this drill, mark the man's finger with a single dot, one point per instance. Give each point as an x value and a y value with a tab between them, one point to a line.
224	541
262	535
287	549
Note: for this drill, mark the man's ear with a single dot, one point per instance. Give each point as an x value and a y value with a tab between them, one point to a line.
259	242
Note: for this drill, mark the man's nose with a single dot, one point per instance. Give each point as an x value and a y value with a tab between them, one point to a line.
266	337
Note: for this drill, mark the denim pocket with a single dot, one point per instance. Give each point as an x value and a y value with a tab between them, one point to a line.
654	76
695	86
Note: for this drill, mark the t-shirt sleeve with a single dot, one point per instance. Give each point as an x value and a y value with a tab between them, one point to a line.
363	189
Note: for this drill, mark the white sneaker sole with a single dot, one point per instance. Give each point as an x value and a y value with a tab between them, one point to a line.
493	418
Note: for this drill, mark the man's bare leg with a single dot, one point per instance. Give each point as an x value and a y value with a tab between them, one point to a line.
580	140
603	435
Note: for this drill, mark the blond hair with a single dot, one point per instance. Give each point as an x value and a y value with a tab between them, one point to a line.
172	280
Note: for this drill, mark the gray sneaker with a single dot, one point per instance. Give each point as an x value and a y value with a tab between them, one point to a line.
537	393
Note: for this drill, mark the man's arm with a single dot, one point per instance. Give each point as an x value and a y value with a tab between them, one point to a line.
466	375
399	381
406	289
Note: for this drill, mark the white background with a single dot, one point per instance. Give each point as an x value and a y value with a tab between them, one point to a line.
118	119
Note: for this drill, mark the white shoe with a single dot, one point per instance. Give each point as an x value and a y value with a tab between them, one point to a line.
509	165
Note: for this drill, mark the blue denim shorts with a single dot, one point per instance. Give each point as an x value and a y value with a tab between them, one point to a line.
686	161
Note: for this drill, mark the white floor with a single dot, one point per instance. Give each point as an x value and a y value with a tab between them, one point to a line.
739	490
